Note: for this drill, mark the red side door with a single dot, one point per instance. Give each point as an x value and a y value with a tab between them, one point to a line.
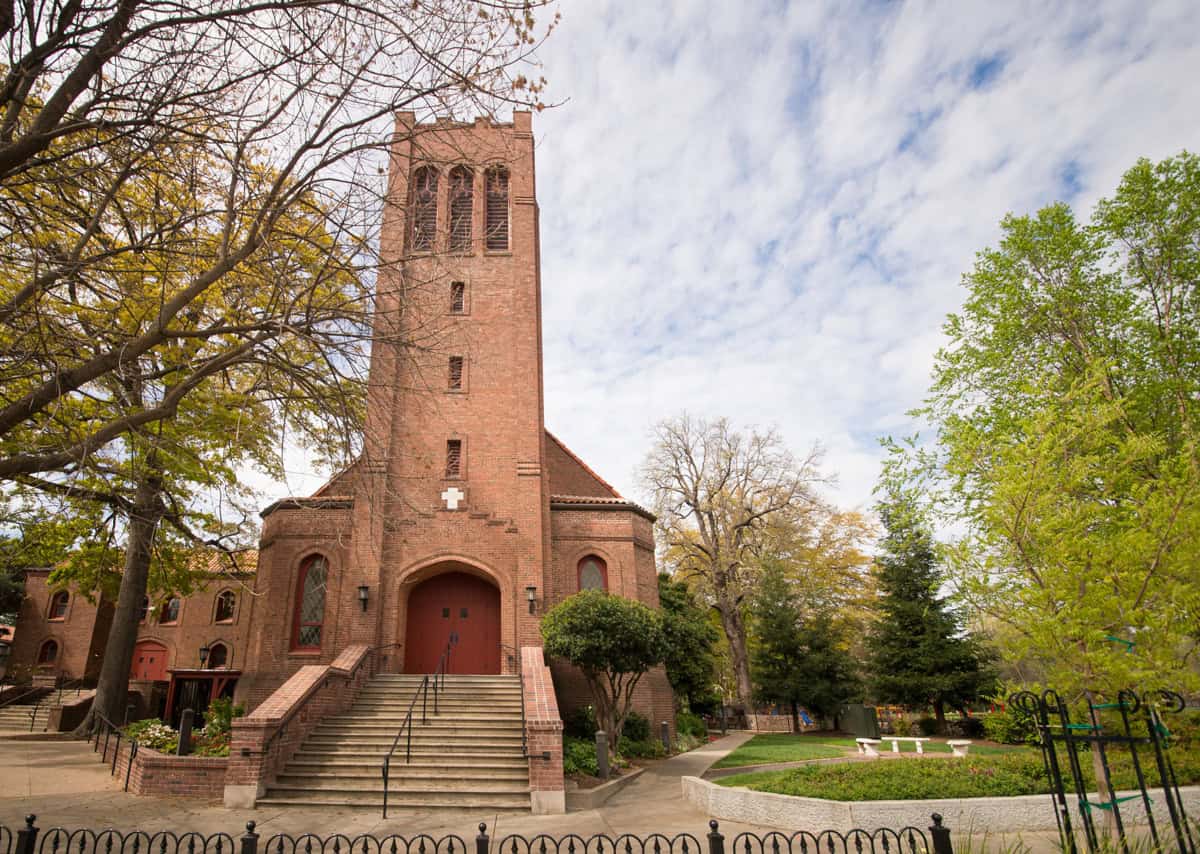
149	662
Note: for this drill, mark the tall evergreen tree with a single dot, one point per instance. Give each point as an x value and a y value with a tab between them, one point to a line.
919	654
798	659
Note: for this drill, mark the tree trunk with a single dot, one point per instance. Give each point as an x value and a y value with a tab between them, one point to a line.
939	714
795	716
735	633
112	689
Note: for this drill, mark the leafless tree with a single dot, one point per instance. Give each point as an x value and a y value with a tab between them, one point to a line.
718	493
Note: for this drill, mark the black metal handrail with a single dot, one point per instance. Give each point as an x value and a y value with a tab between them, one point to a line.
63	686
35	689
109	729
438	680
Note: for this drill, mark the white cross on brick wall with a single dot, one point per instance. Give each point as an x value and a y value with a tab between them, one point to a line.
452	496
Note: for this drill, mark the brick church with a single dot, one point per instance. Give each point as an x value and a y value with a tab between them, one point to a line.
463	518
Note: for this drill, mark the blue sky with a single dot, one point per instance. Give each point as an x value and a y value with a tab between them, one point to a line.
763	210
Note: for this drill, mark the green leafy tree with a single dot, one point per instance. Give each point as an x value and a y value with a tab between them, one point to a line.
1066	404
799	656
614	642
919	654
691	639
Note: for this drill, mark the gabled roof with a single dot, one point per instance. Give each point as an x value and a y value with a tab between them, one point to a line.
603	487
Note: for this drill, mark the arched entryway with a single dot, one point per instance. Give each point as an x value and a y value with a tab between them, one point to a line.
453	602
149	662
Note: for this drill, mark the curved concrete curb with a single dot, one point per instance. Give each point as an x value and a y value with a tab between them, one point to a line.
590	799
962	815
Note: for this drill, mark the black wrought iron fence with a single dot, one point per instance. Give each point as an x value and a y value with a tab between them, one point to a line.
907	840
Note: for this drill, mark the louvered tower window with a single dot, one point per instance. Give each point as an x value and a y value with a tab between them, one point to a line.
424	208
497	208
456	372
453	458
458	297
462	200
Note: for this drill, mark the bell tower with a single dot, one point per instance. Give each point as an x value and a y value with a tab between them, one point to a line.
451	480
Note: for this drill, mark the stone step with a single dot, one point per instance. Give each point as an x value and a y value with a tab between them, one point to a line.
451	678
403	776
465	697
462	744
511	795
398	805
433	725
438	762
442	714
443	756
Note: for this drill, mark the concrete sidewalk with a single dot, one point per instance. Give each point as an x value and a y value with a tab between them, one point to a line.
65	784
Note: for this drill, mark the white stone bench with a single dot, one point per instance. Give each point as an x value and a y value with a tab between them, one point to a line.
866	746
959	746
896	739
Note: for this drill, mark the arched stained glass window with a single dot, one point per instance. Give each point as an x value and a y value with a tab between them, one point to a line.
58	605
226	604
218	656
48	653
593	574
310	603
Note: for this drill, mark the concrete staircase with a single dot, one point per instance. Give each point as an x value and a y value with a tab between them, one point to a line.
15	718
467	757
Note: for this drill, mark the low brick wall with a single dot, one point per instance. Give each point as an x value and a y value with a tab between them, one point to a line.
978	815
263	741
543	735
164	775
71	713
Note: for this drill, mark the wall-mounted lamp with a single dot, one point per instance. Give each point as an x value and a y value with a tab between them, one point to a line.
363	595
531	595
203	655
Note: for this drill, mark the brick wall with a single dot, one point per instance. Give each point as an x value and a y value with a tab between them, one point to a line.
263	740
164	775
78	656
543	734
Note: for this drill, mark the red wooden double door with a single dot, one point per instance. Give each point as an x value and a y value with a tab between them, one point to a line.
453	603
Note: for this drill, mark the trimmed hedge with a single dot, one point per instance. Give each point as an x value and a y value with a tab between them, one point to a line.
1017	773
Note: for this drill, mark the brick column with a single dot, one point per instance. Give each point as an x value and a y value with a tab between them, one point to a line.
543	736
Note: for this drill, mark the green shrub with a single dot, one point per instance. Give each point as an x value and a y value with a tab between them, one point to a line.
646	749
902	727
636	728
220	715
581	723
691	725
967	728
686	741
1010	727
579	757
926	726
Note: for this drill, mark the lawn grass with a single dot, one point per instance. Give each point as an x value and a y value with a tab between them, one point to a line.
784	747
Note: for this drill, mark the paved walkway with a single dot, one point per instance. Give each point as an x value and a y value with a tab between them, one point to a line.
65	784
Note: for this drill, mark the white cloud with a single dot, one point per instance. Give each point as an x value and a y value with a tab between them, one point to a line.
763	210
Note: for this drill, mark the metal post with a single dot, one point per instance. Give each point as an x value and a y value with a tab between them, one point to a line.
27	836
185	733
665	731
716	839
602	754
128	713
250	840
940	836
481	841
386	761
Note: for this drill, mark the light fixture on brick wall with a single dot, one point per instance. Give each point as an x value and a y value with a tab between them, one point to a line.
363	595
531	595
203	655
